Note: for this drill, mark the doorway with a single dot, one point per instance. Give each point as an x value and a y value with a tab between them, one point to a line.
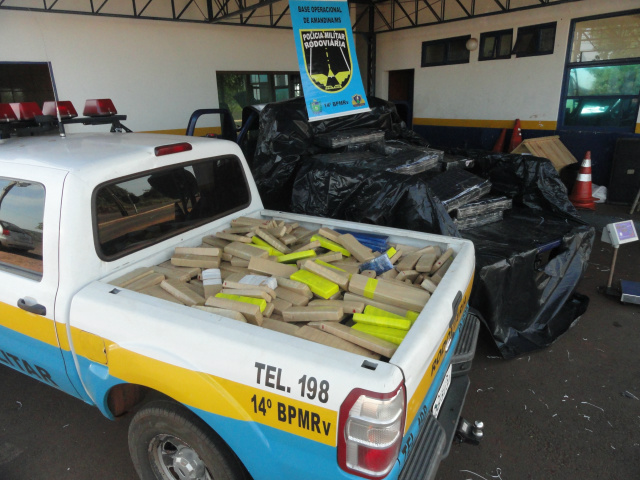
401	93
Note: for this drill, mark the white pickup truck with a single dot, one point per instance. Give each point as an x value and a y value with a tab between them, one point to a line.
211	397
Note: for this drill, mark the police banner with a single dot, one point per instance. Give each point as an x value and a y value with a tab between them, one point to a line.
326	54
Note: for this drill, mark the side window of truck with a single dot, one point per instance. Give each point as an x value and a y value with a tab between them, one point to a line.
135	212
21	226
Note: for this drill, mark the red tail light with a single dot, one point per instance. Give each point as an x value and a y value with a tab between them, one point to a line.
5	232
64	108
7	114
26	110
173	148
371	427
100	107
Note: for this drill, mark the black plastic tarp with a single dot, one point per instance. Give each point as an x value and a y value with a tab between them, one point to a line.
527	269
368	195
528	180
528	265
286	138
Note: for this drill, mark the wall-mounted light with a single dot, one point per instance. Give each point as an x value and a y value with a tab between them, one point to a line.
472	44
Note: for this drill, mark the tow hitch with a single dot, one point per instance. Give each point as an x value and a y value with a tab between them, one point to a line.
469	432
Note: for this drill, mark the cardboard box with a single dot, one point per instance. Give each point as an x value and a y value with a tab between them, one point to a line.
547	147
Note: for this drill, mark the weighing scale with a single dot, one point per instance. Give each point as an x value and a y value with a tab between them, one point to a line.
617	234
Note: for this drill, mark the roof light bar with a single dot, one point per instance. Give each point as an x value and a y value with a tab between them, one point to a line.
64	108
173	148
26	110
100	107
6	113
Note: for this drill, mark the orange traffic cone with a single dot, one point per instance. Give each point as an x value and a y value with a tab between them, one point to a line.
581	196
516	136
499	146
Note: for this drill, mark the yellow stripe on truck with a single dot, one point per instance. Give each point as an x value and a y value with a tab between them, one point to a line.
29	324
224	397
414	404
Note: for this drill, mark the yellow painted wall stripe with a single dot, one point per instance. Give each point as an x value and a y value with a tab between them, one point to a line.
198	132
453	122
29	324
637	128
223	397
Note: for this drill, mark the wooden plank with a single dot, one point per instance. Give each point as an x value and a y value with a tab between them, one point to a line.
291	297
329	233
146	282
347	306
426	260
297	287
196	287
318	313
245	252
364	340
158	292
280	305
279	326
251	312
273	241
182	292
248	292
251	222
309	246
222	312
267	267
131	277
362	253
214	241
208	251
443	258
403	312
232	237
335	276
199	261
183	274
404	296
317	336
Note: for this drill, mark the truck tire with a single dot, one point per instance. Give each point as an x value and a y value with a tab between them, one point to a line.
169	442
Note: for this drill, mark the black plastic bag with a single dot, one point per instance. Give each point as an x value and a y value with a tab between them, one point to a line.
528	180
364	195
286	138
527	268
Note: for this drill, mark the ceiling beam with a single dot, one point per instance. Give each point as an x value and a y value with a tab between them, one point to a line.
243	13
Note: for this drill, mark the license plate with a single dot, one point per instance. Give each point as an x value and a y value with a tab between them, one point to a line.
442	393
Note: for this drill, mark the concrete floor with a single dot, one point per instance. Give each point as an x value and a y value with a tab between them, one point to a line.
570	411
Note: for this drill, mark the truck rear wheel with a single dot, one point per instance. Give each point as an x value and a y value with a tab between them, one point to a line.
169	442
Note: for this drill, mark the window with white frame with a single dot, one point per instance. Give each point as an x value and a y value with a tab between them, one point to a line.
602	76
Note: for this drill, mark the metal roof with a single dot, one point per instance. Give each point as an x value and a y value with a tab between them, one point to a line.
385	15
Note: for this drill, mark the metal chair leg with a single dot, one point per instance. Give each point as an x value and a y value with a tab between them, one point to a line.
635	203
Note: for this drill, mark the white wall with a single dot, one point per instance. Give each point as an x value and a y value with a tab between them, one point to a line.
155	72
527	88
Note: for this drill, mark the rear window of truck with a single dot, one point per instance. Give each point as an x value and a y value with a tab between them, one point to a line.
135	212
